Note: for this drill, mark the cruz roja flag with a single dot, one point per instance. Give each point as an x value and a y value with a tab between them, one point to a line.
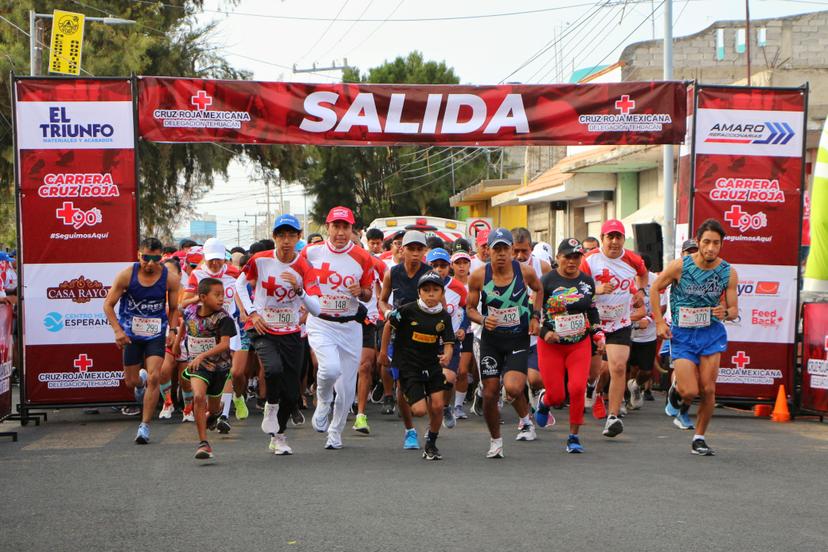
816	270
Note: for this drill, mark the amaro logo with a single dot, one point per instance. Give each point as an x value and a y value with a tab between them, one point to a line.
53	322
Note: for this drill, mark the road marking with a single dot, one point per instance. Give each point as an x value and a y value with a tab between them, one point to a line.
79	437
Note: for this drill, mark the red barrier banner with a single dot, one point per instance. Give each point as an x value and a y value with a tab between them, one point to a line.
77	205
245	112
6	357
748	162
815	357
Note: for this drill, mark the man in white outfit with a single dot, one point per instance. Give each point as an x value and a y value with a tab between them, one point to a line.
345	276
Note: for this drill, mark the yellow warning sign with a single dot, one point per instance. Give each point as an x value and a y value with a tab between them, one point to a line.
67	41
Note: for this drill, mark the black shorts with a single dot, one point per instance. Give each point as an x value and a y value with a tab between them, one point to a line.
532	359
380	328
137	351
467	345
643	354
369	336
416	386
215	380
619	337
501	353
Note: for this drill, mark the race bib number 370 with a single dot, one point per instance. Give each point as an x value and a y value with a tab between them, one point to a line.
690	317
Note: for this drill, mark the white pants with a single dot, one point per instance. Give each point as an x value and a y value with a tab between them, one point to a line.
338	347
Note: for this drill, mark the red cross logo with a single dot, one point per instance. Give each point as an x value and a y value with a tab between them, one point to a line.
605	276
67	212
270	285
83	363
324	273
625	104
740	360
734	215
201	100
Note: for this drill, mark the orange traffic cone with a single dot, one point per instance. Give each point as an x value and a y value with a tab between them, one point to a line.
780	409
599	411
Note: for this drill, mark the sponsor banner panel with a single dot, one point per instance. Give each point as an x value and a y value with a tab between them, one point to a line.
767	304
815	357
199	110
75	374
64	303
755	370
749	132
6	352
74	125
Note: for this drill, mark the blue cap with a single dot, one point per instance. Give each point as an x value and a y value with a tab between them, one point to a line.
287	220
438	254
500	235
300	245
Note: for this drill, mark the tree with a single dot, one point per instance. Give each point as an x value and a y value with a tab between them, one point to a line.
165	41
380	182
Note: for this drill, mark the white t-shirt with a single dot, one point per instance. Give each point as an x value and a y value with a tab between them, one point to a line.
335	271
614	308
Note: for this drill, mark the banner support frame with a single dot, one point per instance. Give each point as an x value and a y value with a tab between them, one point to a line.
799	337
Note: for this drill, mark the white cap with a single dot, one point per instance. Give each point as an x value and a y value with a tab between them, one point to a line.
543	251
214	249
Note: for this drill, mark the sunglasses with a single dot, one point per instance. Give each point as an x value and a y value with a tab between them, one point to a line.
151	258
193	265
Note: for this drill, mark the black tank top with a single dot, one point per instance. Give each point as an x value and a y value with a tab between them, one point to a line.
403	287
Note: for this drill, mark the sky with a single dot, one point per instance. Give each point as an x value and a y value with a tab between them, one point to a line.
539	47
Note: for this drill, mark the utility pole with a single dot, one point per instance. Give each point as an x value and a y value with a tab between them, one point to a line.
747	37
453	190
255	222
667	159
238	223
314	69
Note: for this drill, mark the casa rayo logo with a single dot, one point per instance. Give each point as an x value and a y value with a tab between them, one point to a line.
625	120
768	132
79	290
201	116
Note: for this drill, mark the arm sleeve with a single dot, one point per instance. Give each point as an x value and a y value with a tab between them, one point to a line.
448	331
311	303
243	294
226	327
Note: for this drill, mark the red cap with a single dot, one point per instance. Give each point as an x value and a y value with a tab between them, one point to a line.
613	225
482	237
340	213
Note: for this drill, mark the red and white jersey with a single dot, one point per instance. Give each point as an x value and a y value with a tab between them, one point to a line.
614	308
273	297
371	304
227	275
649	333
335	271
456	294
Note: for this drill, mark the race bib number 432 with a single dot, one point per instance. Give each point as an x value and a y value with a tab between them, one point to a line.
505	317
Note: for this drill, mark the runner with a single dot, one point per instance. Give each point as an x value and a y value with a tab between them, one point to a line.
209	330
481	256
401	283
620	276
644	343
282	281
502	288
697	335
590	244
173	350
564	349
480	259
374	238
420	327
391	256
345	276
460	263
140	327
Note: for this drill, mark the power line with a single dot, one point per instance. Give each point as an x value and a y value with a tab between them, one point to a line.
327	29
347	31
280	65
377	28
43	45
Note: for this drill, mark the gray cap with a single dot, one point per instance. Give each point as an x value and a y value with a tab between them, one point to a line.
689	244
414	236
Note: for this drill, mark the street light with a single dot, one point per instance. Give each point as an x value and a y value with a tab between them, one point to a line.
33	17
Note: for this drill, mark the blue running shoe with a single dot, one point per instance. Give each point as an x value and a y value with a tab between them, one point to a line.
411	442
673	402
682	421
139	391
142	437
573	445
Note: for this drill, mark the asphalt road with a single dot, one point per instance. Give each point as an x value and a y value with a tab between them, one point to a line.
78	482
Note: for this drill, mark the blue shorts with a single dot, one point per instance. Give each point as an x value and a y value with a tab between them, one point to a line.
533	357
693	343
137	351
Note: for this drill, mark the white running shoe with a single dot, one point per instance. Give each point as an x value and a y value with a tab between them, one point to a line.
526	432
590	396
636	397
495	449
166	411
613	427
270	423
320	420
622	410
334	441
280	445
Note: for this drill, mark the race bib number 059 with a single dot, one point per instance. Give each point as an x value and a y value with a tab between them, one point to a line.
690	317
146	327
569	325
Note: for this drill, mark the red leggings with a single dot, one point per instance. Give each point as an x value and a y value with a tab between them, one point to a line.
553	360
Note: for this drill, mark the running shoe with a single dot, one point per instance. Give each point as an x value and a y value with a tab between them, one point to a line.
459	413
648	395
187	413
622	410
361	424
280	445
526	432
673	402
410	442
590	396
270	422
142	438
613	427
636	398
240	406
495	449
682	421
700	447
260	404
223	425
139	391
387	405
573	445
166	411
449	420
131	410
477	403
297	418
212	421
204	451
334	441
377	393
320	420
431	452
